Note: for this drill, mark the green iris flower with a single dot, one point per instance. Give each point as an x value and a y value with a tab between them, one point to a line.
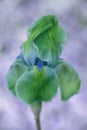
38	71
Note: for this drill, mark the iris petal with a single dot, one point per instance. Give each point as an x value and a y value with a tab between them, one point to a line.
37	85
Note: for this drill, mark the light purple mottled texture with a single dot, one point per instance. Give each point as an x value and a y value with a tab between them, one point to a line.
15	18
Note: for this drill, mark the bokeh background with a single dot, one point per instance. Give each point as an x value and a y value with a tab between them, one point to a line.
16	16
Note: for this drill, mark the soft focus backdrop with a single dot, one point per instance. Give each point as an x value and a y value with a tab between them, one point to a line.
16	16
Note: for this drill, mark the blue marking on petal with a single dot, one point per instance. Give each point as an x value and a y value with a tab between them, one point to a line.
36	60
40	65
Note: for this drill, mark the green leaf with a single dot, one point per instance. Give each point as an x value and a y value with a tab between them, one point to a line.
69	81
37	85
15	71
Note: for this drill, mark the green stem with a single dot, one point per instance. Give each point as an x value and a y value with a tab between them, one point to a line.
36	109
38	123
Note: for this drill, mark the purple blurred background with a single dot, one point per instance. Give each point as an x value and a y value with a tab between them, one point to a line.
16	16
